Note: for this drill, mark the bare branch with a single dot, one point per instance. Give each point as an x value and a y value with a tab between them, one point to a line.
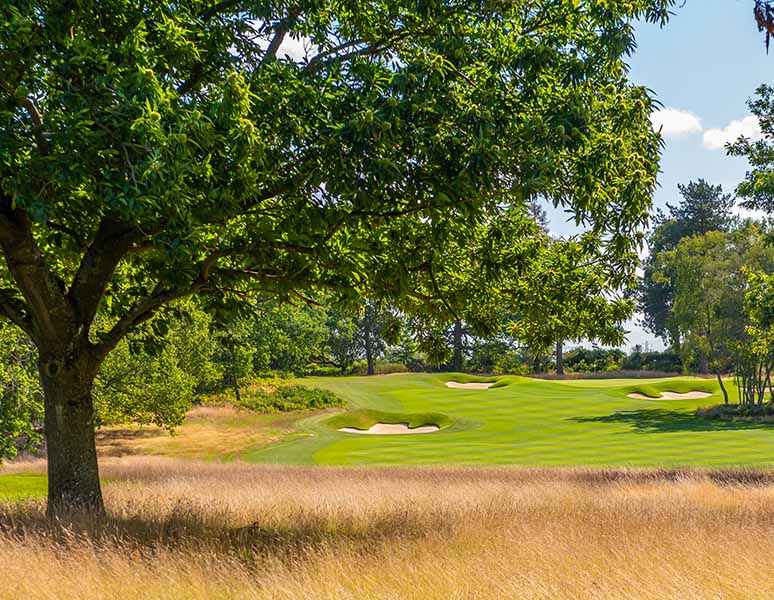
37	124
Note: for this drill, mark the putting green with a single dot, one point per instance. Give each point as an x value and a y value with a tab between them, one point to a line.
523	421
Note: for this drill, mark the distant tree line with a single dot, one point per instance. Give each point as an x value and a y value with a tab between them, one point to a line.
707	288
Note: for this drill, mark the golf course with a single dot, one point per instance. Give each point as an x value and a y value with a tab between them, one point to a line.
385	299
517	421
576	470
526	421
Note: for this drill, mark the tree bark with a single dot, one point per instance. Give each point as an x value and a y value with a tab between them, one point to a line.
369	351
722	387
237	390
703	363
457	358
559	357
73	473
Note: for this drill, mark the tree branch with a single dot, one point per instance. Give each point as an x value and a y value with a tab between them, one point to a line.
51	314
37	124
279	36
146	309
321	61
14	310
110	244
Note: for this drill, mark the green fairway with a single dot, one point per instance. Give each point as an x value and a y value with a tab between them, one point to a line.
22	486
525	421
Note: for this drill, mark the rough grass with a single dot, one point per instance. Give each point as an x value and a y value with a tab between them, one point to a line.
680	385
208	433
206	530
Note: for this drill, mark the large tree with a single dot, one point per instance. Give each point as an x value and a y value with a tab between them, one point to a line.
710	282
152	151
702	208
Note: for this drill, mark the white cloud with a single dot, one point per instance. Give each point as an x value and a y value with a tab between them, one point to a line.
749	127
296	48
674	122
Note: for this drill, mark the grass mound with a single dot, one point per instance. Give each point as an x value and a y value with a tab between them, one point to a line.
678	386
467	378
366	418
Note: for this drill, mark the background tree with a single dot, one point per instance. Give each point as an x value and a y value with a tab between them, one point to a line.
710	285
757	189
21	398
377	327
211	164
754	354
702	208
568	296
287	337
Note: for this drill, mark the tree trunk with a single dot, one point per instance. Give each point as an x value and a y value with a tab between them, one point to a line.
457	359
722	387
369	351
703	363
237	391
73	473
559	357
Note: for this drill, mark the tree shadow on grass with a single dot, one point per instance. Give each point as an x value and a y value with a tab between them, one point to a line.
659	420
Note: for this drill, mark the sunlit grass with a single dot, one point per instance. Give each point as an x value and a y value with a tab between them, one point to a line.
22	486
182	529
208	433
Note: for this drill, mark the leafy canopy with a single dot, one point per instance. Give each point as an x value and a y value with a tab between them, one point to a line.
151	151
702	208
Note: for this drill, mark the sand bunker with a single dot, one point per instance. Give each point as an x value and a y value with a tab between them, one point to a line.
391	429
671	396
469	386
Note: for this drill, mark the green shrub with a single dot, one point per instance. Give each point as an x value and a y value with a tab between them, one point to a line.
286	397
743	412
322	371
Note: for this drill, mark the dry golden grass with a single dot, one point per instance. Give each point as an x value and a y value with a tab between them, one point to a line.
207	433
181	529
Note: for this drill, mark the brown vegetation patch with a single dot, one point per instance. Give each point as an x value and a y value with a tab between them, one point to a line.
202	530
208	432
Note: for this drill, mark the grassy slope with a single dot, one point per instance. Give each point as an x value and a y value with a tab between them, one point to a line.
531	422
21	486
208	433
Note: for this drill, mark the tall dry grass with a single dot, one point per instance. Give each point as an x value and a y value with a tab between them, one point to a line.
191	530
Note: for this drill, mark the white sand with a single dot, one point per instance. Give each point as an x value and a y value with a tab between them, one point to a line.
391	429
671	396
469	386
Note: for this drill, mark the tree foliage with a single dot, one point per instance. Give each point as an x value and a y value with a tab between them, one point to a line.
710	280
702	208
21	398
567	296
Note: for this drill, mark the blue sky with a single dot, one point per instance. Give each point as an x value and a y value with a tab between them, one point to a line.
702	67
